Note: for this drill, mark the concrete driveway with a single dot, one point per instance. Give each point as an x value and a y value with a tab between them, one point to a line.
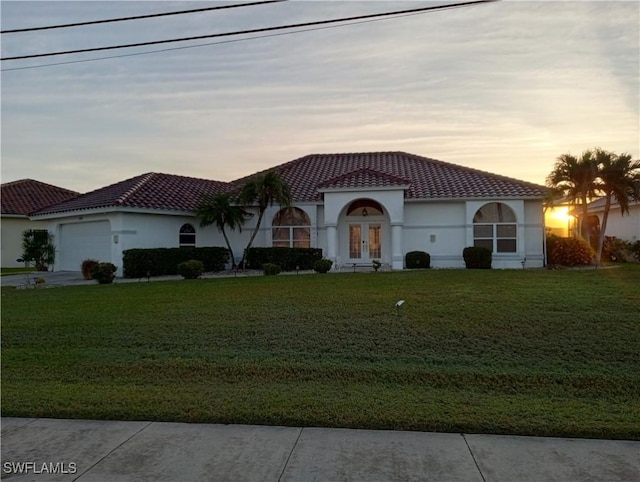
57	278
66	278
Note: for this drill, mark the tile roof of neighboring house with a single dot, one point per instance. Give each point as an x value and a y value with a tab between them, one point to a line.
26	196
598	204
428	178
147	191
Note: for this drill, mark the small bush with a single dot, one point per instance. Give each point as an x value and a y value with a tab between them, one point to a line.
191	269
38	248
104	273
322	265
617	250
271	269
417	259
635	250
87	267
568	251
477	257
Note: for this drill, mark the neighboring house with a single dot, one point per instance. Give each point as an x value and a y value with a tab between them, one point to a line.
355	207
626	227
19	199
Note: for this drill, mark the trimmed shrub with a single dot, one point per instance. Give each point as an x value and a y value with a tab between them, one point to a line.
289	259
87	267
635	250
271	269
191	269
104	273
477	257
568	251
142	263
322	265
417	259
615	249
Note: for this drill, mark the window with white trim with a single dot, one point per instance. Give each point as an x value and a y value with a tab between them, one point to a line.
291	228
495	228
187	236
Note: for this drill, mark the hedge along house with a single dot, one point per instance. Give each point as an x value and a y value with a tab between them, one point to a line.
356	207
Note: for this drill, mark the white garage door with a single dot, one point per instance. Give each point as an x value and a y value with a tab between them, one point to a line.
80	241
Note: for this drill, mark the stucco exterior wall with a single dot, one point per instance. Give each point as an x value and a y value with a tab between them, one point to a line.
11	238
625	227
534	234
437	228
442	229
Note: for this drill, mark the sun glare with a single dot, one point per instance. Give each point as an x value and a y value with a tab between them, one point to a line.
558	219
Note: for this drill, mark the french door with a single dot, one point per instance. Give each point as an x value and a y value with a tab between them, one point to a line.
365	242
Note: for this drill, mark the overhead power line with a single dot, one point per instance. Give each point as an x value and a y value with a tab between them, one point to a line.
208	44
258	30
139	17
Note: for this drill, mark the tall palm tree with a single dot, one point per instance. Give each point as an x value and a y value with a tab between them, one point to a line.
220	210
264	190
577	179
620	180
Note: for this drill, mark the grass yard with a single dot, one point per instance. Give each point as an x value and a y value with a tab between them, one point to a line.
11	271
535	352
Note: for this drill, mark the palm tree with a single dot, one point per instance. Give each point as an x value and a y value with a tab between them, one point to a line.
577	179
220	210
620	180
264	190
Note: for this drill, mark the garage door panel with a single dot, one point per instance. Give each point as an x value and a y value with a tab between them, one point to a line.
80	241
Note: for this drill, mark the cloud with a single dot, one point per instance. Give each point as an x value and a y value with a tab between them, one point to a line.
505	87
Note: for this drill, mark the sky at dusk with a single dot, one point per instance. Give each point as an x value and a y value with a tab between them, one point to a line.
505	87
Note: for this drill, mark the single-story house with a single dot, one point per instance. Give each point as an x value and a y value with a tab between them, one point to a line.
356	207
626	227
19	200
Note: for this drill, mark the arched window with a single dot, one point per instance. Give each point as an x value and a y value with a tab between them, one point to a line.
187	236
494	227
291	228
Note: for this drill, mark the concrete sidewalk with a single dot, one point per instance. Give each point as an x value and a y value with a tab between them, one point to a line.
90	450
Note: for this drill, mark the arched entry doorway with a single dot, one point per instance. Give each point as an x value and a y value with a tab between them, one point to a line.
365	222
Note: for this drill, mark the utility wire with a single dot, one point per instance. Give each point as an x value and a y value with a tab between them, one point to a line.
244	32
208	44
153	15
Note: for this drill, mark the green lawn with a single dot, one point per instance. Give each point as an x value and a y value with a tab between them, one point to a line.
11	271
523	352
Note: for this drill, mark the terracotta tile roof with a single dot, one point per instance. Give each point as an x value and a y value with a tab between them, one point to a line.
26	196
363	178
598	204
428	178
147	191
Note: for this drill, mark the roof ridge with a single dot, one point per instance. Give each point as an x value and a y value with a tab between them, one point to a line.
28	180
144	179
